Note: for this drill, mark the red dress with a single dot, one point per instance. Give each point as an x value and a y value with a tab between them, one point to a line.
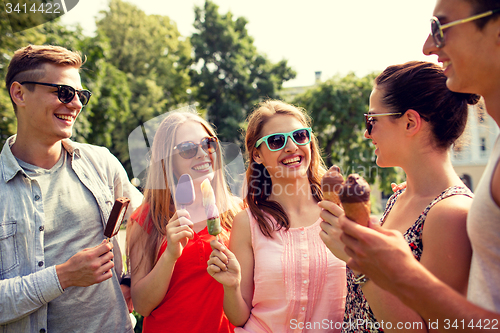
193	302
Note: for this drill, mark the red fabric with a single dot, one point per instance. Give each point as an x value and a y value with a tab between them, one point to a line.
194	299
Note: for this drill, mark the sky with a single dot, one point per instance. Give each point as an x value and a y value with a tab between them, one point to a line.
332	36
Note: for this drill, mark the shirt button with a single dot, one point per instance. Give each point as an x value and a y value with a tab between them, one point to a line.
305	281
41	228
40	263
42	330
37	197
303	308
305	255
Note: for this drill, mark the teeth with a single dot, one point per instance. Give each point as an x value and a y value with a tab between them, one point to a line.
291	160
202	166
446	64
64	117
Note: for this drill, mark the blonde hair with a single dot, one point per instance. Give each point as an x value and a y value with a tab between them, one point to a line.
160	185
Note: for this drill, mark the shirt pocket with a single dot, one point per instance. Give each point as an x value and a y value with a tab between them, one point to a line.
9	257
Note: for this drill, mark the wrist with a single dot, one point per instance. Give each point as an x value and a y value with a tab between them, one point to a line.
64	281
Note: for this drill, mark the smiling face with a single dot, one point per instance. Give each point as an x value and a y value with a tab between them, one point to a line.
384	133
199	167
290	162
468	55
43	117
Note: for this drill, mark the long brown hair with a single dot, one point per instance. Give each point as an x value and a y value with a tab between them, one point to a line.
258	180
160	186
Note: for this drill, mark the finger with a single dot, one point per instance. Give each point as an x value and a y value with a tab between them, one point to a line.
102	248
333	208
353	265
183	233
106	257
216	261
394	186
216	245
185	221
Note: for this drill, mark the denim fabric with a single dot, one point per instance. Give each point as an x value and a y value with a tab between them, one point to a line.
26	284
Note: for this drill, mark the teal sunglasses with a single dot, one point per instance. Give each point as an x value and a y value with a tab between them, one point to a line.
277	141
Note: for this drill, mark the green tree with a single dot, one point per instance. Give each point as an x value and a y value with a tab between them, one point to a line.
230	75
337	107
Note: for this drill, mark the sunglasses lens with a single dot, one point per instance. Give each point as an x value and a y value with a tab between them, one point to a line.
209	145
187	150
276	142
66	94
84	97
301	137
436	33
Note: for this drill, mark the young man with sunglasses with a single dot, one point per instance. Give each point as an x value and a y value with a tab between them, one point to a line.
56	269
465	35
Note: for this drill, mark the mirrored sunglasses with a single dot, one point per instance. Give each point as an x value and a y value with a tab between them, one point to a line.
277	141
66	93
437	29
188	149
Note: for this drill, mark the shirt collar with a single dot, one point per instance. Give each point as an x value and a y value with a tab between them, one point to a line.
9	167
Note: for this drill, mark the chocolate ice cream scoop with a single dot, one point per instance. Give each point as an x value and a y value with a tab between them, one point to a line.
355	197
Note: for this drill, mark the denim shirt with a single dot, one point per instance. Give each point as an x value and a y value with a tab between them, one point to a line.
26	284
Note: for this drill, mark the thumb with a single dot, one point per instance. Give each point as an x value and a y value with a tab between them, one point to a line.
374	223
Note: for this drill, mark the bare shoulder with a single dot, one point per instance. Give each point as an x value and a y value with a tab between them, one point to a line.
240	231
448	215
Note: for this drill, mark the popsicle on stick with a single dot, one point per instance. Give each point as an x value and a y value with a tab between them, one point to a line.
355	197
213	220
184	193
331	184
116	217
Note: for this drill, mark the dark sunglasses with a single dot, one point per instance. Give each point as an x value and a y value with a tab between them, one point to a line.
369	119
437	29
277	141
189	149
66	93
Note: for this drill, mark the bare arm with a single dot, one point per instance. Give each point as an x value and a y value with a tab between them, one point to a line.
386	259
234	269
149	285
446	254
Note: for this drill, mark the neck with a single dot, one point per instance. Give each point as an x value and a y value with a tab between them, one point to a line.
437	175
39	153
290	193
492	104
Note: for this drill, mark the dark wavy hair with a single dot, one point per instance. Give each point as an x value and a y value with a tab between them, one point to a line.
421	86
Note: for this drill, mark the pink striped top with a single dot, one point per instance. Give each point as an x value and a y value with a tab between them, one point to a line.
300	286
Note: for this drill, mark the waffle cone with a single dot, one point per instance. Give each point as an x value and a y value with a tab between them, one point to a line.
358	211
332	196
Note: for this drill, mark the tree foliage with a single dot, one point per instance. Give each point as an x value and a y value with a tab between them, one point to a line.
337	107
230	75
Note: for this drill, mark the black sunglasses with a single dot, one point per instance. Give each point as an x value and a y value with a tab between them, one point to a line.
369	119
277	141
189	149
66	93
437	29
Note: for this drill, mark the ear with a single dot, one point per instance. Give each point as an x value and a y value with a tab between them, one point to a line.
413	122
18	93
256	156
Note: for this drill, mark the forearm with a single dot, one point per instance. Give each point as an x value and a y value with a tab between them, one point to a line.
150	290
389	309
235	307
20	296
441	306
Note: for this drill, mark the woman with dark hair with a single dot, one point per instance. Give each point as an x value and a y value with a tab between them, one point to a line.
413	120
278	276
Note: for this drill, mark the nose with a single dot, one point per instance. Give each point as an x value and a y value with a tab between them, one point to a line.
200	153
366	134
75	102
290	145
429	46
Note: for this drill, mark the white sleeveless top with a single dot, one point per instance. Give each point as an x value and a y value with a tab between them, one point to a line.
483	227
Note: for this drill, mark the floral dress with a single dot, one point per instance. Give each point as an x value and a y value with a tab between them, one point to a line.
358	314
